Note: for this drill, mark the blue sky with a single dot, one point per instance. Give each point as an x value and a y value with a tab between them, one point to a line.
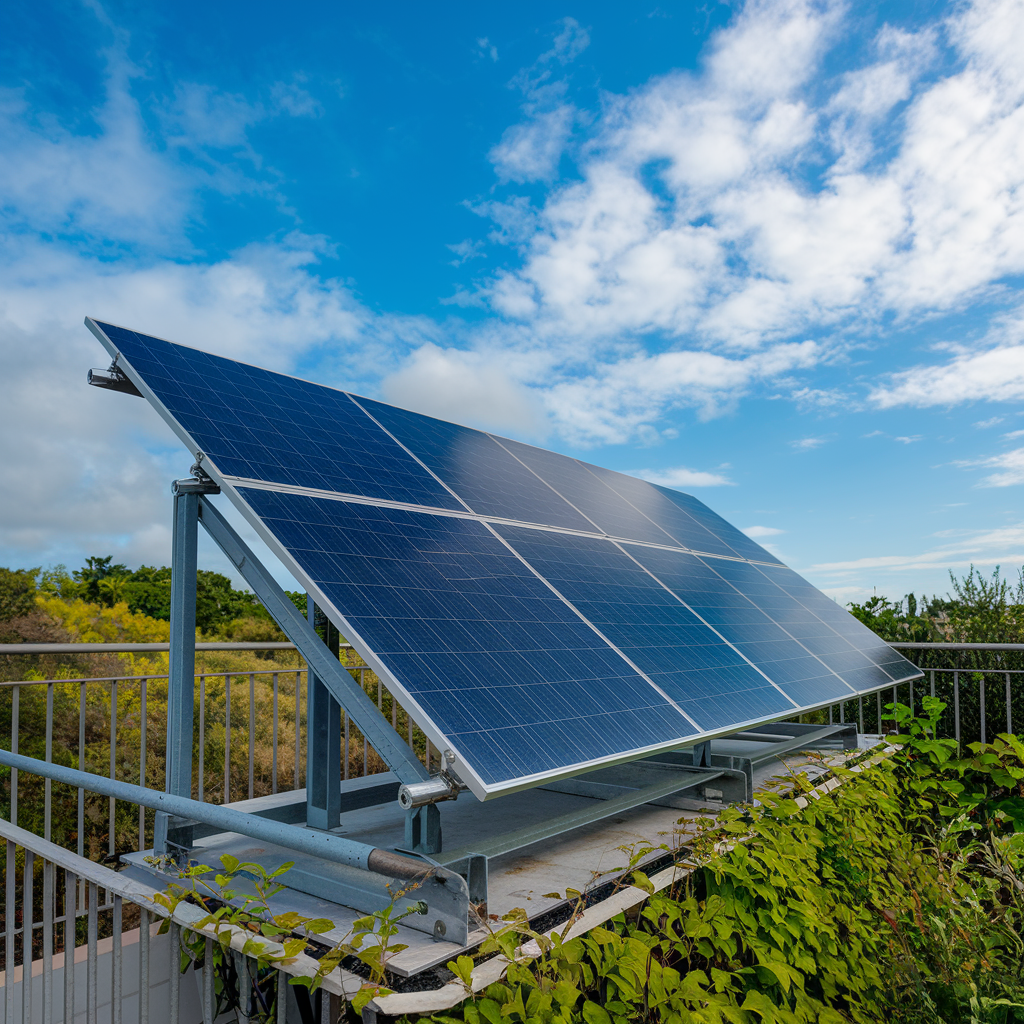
769	253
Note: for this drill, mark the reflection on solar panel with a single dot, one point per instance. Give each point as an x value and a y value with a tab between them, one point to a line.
536	614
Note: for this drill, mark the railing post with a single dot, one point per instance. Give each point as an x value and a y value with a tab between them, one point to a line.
323	740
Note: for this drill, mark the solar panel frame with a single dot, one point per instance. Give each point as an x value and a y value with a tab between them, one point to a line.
233	487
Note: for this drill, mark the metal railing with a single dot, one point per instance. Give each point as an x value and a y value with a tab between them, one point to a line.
250	738
250	741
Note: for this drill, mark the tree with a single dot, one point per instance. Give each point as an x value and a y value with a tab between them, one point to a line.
17	593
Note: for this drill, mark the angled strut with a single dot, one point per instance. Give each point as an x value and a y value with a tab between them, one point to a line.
397	754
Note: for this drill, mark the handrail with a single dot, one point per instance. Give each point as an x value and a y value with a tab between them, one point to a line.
125	648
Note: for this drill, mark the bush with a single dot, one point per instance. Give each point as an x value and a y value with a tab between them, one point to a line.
895	898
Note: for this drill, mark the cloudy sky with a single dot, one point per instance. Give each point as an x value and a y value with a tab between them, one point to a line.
768	253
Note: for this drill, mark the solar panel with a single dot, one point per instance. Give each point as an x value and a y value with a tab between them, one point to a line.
535	614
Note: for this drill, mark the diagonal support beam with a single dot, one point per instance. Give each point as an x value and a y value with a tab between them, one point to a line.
346	691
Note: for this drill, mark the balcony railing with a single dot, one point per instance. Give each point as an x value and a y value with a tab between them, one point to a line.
250	741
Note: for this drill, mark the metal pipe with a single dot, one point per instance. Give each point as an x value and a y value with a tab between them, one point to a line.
113	648
336	849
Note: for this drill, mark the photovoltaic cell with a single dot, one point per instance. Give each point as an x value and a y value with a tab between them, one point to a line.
530	649
682	656
741	623
516	680
260	425
483	474
609	512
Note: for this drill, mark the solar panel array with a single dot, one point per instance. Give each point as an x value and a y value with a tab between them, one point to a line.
536	614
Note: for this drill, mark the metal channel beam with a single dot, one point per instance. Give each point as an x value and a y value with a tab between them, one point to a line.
520	838
396	753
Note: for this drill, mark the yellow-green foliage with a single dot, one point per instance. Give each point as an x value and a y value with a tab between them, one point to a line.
94	623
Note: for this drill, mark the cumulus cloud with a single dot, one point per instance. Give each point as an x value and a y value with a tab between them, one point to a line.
761	199
450	383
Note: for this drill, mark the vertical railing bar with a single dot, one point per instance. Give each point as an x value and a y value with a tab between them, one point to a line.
174	978
1009	711
143	731
344	767
981	696
144	966
48	784
956	705
427	738
227	738
27	906
409	720
362	735
15	725
932	675
878	701
380	695
208	983
201	781
273	782
70	921
115	965
911	685
112	841
252	730
394	711
842	711
830	716
81	792
10	909
860	713
91	974
281	1000
298	743
48	912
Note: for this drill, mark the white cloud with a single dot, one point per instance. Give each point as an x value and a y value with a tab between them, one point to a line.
756	532
467	387
532	149
1011	467
994	374
681	477
807	444
759	200
1003	546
